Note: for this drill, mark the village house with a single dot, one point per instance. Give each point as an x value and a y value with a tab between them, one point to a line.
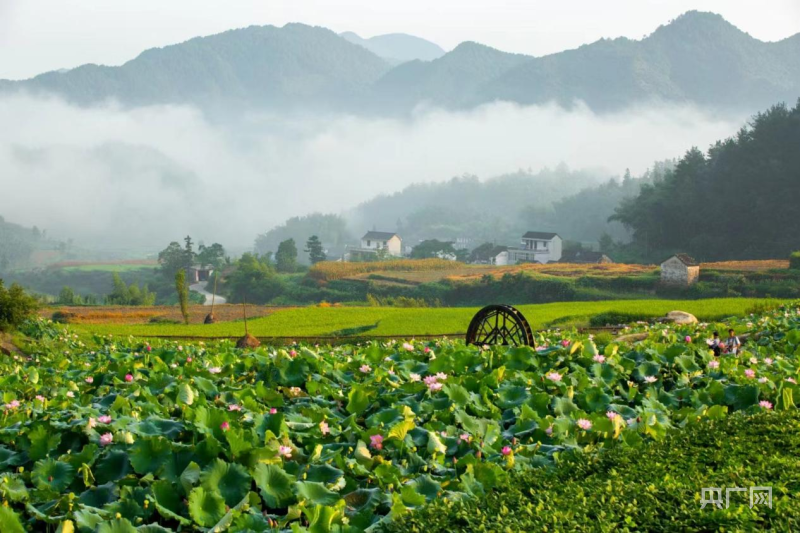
374	241
585	257
537	247
198	273
680	269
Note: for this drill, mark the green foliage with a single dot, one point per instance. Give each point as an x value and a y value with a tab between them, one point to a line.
433	248
330	229
712	206
286	256
253	280
172	259
15	306
213	255
182	290
356	432
314	250
648	488
794	260
123	294
67	296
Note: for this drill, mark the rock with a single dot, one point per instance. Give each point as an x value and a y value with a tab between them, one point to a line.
633	337
680	318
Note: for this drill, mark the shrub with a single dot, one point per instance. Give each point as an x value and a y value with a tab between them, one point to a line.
794	261
615	318
63	317
656	487
15	306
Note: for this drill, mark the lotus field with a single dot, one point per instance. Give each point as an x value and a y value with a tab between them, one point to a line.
118	435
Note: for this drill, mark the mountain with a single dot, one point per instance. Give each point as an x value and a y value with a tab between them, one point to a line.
296	65
397	47
699	58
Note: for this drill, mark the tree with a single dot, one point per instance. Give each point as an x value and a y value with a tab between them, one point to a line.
286	256
183	293
482	252
67	296
433	248
120	295
213	255
606	243
253	280
172	258
314	250
15	306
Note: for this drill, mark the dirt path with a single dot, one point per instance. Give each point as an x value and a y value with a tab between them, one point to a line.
201	288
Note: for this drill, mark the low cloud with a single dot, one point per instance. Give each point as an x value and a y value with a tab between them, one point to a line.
137	178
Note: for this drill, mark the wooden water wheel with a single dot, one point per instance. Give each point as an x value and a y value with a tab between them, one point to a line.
500	324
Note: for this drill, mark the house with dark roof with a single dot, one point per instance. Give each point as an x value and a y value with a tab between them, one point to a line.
680	269
373	242
585	257
536	247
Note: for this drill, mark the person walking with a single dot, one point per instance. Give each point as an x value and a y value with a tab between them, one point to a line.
733	343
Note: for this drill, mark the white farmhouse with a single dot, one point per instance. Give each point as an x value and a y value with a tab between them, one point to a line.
680	269
537	247
373	241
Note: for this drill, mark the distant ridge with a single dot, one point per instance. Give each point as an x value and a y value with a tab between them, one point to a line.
698	58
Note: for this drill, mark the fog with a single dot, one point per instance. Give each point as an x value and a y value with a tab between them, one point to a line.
138	178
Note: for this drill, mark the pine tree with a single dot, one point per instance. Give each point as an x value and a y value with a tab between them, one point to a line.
314	250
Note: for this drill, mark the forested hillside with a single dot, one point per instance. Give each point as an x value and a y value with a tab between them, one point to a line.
737	201
22	247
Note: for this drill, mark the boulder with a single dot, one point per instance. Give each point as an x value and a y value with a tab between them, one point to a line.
680	318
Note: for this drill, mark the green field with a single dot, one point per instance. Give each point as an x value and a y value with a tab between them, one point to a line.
101	267
407	322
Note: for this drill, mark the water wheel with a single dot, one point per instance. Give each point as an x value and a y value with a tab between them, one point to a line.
500	324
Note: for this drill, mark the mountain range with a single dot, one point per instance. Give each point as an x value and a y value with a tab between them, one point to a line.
698	58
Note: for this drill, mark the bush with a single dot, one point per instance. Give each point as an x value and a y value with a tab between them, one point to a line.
15	306
615	318
794	261
656	487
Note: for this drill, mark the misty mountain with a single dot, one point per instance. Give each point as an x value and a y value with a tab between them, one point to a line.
397	47
295	65
698	58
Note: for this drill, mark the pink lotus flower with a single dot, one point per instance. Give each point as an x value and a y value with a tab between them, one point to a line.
753	361
106	439
180	348
408	346
553	376
464	437
611	415
92	423
285	451
128	377
584	424
414	377
324	428
40	397
225	426
292	353
234	407
762	380
214	370
650	379
273	411
599	358
376	442
441	376
70	394
687	339
13	404
104	419
365	369
768	360
506	450
549	430
148	348
89	379
713	364
792	381
433	383
565	343
765	404
750	373
630	421
427	349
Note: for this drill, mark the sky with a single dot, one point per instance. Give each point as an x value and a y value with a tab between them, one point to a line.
41	35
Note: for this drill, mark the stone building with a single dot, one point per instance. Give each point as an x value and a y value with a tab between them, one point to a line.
680	269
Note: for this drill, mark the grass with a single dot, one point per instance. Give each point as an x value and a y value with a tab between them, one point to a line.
103	267
407	322
657	487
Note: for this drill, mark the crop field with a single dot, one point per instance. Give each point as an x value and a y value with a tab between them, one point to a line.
748	266
113	314
408	322
125	435
121	266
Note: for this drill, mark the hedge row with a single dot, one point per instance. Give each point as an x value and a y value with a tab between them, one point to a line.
655	488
